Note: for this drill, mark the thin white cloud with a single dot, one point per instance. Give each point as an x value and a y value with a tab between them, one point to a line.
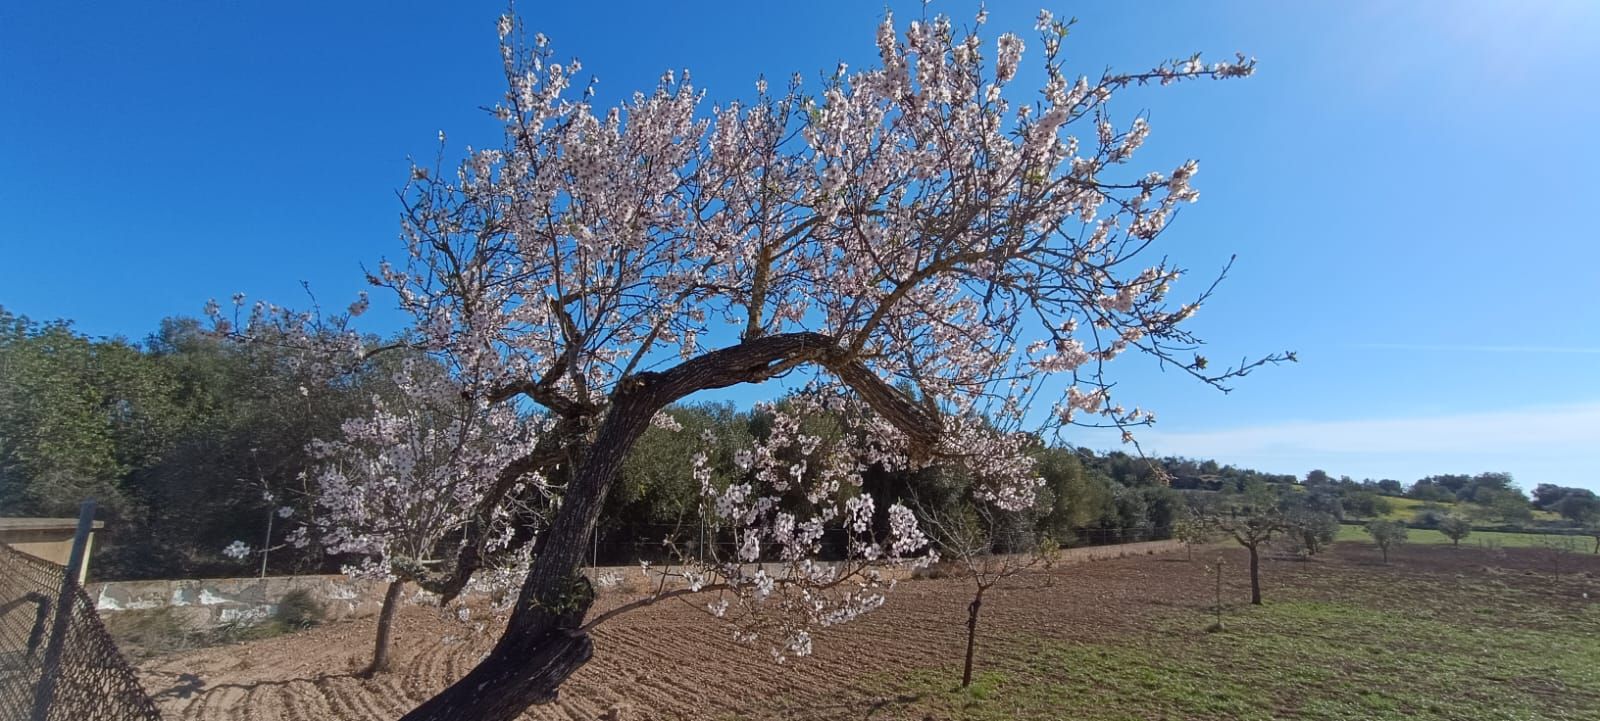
1545	432
1449	348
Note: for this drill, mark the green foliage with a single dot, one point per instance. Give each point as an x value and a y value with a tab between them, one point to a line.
1430	515
1310	532
655	486
1071	498
178	438
76	416
1580	508
1482	488
297	609
1455	528
1387	534
1366	504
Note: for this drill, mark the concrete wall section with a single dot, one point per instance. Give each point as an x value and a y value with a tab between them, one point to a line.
245	600
236	600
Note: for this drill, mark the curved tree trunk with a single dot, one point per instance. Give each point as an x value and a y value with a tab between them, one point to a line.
1255	576
380	647
972	637
544	643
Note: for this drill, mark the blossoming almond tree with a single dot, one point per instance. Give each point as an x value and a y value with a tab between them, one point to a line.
919	243
398	487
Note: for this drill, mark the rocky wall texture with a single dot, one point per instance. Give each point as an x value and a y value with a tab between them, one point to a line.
212	602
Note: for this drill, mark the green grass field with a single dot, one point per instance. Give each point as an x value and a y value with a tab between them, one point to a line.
1478	539
1405	509
1434	635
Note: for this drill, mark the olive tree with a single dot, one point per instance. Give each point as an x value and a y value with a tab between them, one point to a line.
1252	518
1387	534
1455	528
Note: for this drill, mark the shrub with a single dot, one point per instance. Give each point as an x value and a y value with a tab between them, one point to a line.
1455	528
297	609
1387	534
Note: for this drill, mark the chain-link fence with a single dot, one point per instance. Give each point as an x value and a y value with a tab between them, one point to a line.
70	673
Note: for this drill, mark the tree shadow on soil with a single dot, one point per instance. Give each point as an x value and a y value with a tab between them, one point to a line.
189	684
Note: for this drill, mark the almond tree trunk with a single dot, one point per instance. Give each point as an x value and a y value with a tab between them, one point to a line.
1255	575
544	642
972	636
380	647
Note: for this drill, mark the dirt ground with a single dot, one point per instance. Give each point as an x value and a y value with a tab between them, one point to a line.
675	662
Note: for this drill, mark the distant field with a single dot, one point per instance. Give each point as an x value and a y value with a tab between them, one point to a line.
1478	539
1405	509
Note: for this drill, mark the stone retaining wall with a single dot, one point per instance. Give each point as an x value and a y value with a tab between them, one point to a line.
212	602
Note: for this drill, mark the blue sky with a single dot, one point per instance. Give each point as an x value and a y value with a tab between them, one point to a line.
1409	186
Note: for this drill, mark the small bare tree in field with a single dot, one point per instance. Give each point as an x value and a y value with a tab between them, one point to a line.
1455	528
1216	570
967	537
1387	534
1558	549
1252	518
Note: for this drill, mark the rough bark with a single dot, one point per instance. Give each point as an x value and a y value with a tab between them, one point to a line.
1255	576
972	637
380	646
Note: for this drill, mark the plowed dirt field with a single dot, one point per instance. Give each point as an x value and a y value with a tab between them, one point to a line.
672	661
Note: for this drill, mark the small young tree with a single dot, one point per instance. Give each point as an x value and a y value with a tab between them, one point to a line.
1387	534
1454	528
967	536
397	488
1216	571
1309	531
1192	532
1558	550
1252	518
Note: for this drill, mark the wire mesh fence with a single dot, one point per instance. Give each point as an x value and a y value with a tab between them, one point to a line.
59	668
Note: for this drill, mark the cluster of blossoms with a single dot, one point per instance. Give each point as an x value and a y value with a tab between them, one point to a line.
397	483
910	210
238	550
799	489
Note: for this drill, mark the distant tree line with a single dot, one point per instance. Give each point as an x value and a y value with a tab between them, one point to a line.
190	442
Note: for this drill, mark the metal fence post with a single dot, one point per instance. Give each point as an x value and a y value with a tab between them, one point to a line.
45	693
